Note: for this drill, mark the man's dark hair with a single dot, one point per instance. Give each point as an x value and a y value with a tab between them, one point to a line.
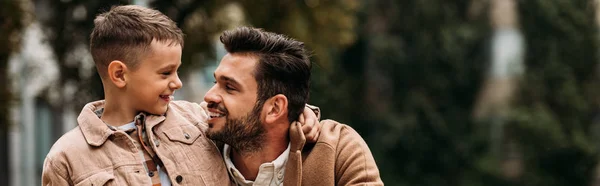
283	65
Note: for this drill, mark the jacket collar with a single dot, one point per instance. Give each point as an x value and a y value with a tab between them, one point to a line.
96	132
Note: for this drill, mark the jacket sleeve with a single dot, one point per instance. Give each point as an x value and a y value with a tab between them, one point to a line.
355	164
52	175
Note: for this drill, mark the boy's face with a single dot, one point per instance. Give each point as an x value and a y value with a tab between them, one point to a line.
150	87
233	98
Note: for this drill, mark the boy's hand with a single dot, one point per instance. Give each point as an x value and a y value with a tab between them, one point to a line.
310	125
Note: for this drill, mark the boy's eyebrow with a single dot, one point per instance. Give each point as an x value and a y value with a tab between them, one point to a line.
170	66
229	79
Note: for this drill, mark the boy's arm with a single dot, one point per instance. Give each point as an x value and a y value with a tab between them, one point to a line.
52	175
309	119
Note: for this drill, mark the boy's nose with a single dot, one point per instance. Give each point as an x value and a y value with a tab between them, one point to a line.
176	84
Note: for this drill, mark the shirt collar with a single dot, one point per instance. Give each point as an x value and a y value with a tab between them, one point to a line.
270	173
95	131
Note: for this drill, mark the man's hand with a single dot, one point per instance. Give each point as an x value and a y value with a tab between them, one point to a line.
310	125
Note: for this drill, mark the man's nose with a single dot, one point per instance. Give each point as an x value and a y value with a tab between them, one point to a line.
212	96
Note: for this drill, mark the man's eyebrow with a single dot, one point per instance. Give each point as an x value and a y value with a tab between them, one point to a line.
228	79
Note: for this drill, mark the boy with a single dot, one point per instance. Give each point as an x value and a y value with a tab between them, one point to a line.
138	135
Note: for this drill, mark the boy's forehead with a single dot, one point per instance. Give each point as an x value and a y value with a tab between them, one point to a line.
162	54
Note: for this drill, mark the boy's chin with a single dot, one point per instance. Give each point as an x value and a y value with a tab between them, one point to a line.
158	111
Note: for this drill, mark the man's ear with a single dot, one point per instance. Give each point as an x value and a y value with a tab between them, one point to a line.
277	108
116	73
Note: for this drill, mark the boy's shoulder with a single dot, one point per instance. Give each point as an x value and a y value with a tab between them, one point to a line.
72	142
191	111
183	106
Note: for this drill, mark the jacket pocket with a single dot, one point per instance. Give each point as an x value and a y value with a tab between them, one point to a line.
184	134
98	179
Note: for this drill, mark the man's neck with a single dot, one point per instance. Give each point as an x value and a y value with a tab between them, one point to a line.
248	163
116	112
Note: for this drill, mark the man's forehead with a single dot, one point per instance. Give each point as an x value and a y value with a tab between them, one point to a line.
236	68
236	65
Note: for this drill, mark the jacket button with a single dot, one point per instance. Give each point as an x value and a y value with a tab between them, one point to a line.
151	174
187	136
178	179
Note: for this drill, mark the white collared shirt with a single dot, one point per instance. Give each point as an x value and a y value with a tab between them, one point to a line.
269	174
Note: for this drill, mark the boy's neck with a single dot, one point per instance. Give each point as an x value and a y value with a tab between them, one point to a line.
249	163
116	113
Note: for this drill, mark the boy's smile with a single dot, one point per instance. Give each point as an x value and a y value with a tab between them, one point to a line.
151	86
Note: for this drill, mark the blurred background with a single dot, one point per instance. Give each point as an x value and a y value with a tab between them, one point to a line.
445	92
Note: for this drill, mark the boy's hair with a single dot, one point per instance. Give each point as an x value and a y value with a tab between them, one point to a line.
125	33
283	65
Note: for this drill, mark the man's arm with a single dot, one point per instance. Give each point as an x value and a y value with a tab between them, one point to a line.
355	164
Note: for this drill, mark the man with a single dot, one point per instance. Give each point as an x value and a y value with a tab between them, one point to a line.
261	86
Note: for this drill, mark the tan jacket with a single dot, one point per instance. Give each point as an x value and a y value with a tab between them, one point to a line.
340	157
93	154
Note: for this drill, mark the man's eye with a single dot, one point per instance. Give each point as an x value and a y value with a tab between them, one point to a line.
229	87
166	73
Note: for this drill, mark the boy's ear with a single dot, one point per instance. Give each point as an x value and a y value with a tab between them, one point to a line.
276	108
116	73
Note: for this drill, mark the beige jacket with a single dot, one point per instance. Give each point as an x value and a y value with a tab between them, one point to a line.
93	154
340	157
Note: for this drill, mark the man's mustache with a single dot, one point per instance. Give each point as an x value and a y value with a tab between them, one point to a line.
219	107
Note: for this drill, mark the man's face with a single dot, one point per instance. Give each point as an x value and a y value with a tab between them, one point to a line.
150	87
235	118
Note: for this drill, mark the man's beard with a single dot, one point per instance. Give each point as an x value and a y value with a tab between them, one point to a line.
245	134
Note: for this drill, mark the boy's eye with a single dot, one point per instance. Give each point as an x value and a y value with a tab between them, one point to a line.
166	73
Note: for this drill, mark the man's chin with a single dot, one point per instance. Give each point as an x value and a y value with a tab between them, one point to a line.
211	133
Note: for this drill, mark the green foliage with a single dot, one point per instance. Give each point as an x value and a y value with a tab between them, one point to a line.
13	19
558	101
12	22
408	86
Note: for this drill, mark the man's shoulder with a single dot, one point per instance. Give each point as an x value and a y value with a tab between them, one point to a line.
333	131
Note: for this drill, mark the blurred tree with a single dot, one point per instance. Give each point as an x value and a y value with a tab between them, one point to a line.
69	23
13	20
426	64
558	100
409	86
